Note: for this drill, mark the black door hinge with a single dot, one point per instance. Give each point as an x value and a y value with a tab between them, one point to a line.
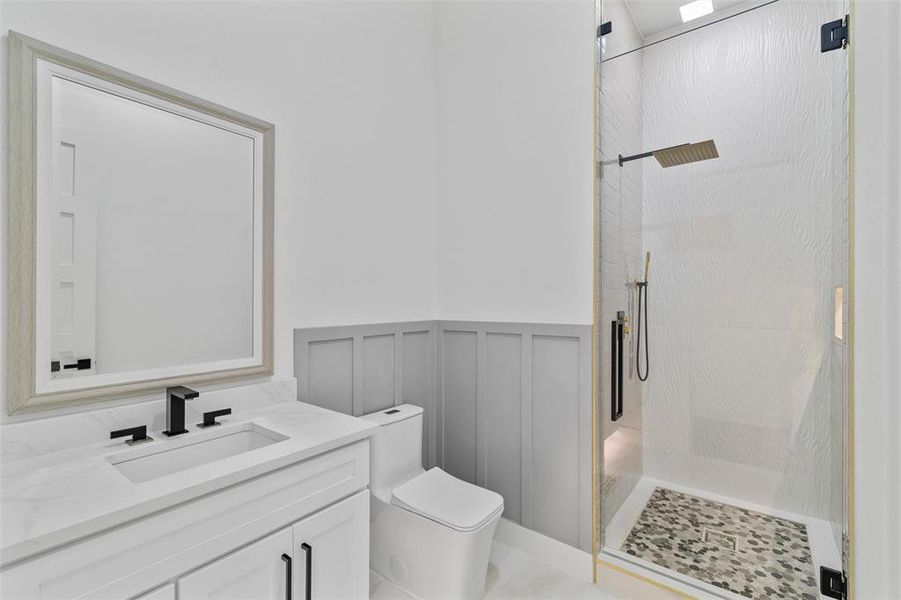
834	35
833	584
604	29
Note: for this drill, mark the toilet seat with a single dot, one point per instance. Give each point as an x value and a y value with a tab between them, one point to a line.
443	498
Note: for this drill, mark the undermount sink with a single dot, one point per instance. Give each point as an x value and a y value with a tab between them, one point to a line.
229	442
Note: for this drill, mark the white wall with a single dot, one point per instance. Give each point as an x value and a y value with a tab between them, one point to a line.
877	298
515	107
351	89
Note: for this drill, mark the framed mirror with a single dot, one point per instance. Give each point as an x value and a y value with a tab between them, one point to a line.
140	234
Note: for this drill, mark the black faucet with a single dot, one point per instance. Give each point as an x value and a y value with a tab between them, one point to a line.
175	409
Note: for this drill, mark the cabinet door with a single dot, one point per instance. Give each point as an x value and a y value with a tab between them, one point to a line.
257	571
167	592
331	552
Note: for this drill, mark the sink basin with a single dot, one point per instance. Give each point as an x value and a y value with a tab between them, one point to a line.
151	464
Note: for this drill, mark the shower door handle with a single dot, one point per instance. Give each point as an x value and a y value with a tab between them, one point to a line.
616	368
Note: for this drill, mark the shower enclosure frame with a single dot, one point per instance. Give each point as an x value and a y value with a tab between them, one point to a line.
599	558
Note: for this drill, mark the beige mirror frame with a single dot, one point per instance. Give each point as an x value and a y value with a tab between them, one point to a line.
22	394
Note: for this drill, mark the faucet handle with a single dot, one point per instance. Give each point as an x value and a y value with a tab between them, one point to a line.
138	435
209	418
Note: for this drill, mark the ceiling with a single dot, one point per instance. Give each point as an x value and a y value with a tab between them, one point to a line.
653	16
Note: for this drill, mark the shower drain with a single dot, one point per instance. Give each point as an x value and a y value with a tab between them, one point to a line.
718	538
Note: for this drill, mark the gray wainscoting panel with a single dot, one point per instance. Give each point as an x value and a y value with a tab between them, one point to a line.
378	372
419	384
507	405
555	436
529	436
503	418
459	393
418	368
331	373
358	369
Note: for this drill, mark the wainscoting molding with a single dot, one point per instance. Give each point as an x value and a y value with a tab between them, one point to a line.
359	369
508	405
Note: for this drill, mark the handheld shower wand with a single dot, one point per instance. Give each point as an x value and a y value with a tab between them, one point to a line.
643	292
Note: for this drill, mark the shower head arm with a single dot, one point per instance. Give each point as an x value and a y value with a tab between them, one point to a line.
625	159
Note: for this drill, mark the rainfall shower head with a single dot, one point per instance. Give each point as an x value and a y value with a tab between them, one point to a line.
674	156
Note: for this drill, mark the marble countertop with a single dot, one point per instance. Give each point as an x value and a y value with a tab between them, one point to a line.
57	498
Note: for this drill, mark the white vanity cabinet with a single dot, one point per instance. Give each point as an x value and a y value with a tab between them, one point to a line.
323	556
331	552
167	592
228	543
257	571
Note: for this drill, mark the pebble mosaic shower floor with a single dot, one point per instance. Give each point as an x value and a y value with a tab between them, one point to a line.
748	553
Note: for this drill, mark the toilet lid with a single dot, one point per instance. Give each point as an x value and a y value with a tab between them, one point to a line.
448	500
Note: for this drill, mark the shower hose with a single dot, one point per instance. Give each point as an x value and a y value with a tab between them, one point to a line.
642	292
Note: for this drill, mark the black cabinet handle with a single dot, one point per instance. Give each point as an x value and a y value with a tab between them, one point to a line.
289	576
308	552
209	418
138	435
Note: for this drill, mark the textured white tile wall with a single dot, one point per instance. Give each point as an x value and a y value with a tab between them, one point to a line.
746	252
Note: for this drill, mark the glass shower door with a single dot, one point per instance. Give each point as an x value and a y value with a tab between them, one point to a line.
727	469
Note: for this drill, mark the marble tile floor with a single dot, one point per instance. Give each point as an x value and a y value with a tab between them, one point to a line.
741	551
748	553
512	574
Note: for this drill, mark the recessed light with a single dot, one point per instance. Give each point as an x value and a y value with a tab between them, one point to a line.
695	9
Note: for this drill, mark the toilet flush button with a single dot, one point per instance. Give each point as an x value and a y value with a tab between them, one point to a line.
399	569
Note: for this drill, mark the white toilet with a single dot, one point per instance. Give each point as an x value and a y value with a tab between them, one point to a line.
430	532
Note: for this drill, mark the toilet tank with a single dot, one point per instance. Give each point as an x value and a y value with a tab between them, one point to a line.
396	448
